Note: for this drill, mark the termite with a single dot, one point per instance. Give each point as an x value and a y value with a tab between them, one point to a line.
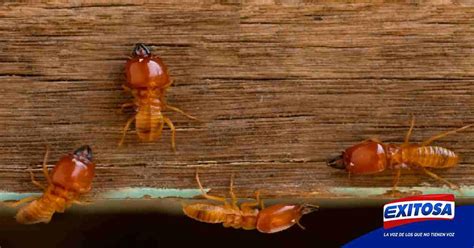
373	156
70	178
247	216
147	80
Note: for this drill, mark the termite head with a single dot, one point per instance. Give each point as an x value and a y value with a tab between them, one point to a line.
280	217
144	70
75	172
364	158
141	51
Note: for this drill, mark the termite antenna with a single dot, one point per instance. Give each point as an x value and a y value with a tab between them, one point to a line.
141	51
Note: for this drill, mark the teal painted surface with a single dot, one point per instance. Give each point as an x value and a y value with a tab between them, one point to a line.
467	192
138	193
12	196
123	193
135	193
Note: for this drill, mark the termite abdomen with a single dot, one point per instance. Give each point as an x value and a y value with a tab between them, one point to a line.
433	157
205	212
40	210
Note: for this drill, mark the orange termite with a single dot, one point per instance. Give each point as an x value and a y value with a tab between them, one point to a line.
247	216
373	156
70	178
148	80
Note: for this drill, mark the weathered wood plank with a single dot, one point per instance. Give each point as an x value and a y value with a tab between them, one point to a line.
278	89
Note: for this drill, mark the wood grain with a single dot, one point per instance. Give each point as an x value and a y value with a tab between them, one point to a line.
278	87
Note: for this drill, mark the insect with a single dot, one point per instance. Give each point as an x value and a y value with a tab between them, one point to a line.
148	80
246	216
373	156
70	178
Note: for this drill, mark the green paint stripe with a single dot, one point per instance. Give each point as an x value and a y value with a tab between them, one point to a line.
123	193
136	193
465	192
13	196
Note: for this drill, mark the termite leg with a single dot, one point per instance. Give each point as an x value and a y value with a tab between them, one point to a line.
126	105
45	168
210	197
396	179
260	201
408	135
441	135
249	205
173	132
125	129
175	109
170	83
299	224
231	191
22	201
126	88
433	175
81	203
45	171
36	183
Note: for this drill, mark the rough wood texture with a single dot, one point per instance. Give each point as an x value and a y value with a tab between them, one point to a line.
278	88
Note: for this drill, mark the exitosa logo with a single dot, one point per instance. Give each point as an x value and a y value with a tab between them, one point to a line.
418	208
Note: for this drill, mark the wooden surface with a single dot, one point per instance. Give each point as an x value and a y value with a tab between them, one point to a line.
278	87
